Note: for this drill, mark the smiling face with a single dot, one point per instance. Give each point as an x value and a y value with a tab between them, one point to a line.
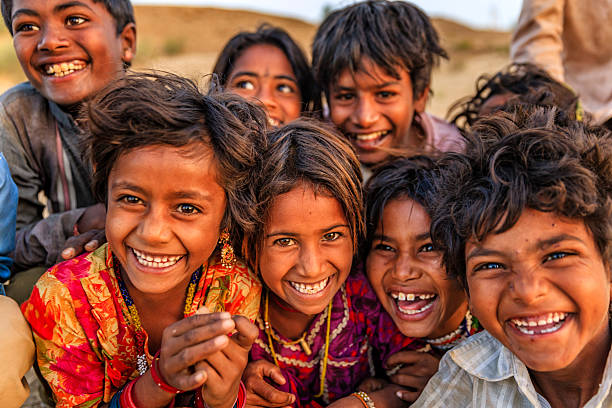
162	230
405	272
542	289
307	249
375	110
69	50
264	73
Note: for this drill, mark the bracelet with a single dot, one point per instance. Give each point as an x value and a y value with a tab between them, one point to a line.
125	399
159	380
364	398
240	401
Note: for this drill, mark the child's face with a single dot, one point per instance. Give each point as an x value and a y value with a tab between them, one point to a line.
375	110
307	249
164	213
407	276
542	289
69	50
263	72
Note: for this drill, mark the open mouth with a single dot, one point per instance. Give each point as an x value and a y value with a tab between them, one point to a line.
155	261
413	303
543	324
65	68
310	288
369	140
275	122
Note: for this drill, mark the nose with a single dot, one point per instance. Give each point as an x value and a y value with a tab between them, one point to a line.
365	113
406	268
528	286
52	38
154	227
266	96
311	261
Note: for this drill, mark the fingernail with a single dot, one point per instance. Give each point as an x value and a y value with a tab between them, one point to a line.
202	310
199	376
91	245
220	340
398	394
225	315
66	253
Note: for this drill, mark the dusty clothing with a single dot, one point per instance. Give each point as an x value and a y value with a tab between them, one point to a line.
571	40
16	354
42	146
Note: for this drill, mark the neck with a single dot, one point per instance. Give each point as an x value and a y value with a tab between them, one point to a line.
570	387
451	324
290	324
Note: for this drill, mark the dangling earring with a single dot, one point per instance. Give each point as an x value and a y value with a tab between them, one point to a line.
228	259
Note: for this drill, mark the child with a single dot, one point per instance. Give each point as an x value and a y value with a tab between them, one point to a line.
404	267
515	84
269	66
173	168
68	51
526	227
317	321
373	60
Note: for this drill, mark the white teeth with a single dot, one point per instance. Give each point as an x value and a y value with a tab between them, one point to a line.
412	311
522	324
273	122
411	296
64	68
157	261
308	288
371	136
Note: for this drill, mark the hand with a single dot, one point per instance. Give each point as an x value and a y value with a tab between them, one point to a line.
417	369
259	392
94	218
225	367
85	242
372	384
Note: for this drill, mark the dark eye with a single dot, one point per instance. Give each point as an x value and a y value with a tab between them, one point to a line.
285	88
488	266
556	255
75	20
331	236
345	96
386	94
248	85
187	209
427	248
285	242
130	199
27	27
384	247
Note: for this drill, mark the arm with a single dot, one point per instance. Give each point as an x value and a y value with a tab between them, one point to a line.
538	36
8	214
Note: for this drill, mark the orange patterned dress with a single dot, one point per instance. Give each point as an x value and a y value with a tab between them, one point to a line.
85	337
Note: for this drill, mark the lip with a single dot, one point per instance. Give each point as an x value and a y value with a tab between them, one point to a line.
150	269
51	68
275	122
311	297
428	307
526	327
369	140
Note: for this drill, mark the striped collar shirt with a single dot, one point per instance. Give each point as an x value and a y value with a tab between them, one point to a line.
481	372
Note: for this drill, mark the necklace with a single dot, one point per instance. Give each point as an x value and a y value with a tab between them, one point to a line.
141	359
468	326
301	341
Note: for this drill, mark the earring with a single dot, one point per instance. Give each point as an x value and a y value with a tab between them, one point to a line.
228	259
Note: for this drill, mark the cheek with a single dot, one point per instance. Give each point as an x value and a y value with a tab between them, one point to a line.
375	270
338	113
292	107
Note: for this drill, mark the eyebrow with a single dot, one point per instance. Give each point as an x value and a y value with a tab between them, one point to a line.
176	195
382	237
293	234
482	252
56	9
253	74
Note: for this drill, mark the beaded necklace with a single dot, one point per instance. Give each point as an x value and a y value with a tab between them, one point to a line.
468	326
268	329
141	359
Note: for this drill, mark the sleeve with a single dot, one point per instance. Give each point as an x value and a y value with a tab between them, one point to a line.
451	386
538	36
8	214
38	241
16	354
64	355
244	292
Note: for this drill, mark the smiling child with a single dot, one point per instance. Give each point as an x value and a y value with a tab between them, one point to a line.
373	61
128	324
69	51
268	66
320	327
526	227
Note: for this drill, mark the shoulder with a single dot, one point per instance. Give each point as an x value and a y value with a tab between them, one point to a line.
442	135
22	96
483	356
239	272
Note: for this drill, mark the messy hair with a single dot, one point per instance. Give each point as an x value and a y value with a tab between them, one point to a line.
276	36
308	152
527	83
121	10
530	158
392	34
411	178
148	109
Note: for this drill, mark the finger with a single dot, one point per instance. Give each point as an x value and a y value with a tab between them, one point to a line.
188	381
405	357
189	356
275	374
246	332
68	253
76	245
408	396
271	395
407	380
183	326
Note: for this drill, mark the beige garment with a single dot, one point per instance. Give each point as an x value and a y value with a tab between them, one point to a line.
572	41
16	354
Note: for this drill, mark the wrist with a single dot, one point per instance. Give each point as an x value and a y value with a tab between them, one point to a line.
365	399
158	378
239	402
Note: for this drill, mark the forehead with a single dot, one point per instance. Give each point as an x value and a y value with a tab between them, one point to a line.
369	74
54	5
263	59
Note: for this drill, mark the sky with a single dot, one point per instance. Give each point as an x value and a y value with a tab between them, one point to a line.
494	14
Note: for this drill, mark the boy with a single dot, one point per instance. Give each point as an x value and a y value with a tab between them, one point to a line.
526	226
373	60
69	51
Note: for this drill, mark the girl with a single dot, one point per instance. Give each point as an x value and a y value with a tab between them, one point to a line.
128	324
269	66
320	325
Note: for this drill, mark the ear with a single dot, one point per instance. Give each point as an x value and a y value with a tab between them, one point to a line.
421	100
128	42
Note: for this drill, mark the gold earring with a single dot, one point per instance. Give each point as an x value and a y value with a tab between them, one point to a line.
228	258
